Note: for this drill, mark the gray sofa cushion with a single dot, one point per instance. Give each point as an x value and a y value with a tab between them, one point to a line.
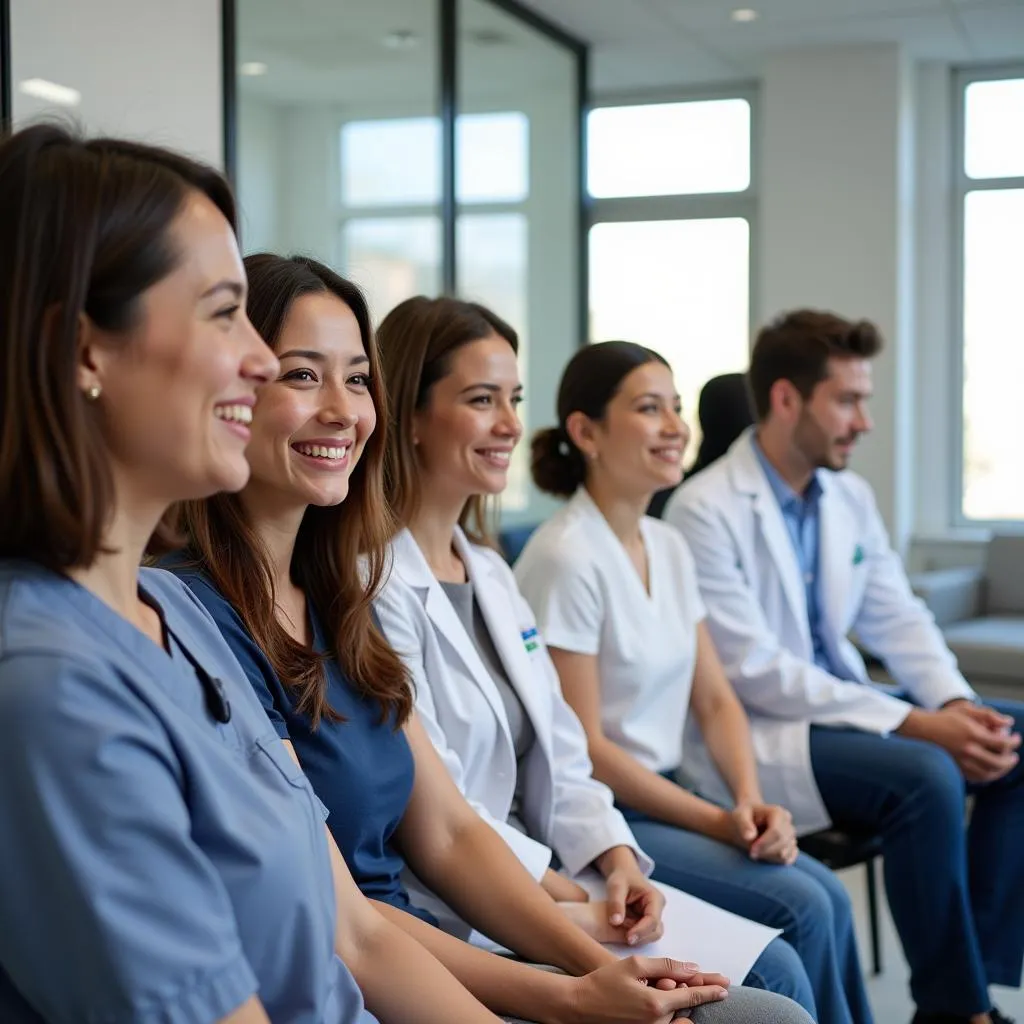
990	647
1004	575
952	595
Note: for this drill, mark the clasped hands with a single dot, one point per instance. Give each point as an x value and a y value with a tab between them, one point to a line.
764	831
630	914
980	739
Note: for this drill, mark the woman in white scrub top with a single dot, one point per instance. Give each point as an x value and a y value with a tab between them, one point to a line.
486	691
616	599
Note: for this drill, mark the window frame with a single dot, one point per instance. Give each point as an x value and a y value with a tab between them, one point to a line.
690	206
962	185
518	502
344	215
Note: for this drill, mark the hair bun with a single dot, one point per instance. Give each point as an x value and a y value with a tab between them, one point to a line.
556	464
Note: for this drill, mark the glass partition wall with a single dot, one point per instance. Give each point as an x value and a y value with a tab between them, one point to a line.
518	199
420	147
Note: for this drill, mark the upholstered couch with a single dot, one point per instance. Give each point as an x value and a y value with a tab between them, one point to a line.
981	613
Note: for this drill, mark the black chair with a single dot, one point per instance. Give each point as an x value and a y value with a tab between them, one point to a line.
838	849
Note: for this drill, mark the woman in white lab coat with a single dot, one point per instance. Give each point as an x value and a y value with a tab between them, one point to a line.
616	598
486	690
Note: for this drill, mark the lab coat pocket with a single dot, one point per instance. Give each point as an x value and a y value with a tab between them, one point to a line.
858	581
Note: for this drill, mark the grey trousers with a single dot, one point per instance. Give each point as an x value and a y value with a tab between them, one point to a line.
744	1006
751	1006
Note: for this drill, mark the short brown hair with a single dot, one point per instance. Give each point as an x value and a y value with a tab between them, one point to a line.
340	554
417	340
84	231
797	347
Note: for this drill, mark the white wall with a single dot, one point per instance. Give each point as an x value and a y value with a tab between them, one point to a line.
858	209
837	226
145	69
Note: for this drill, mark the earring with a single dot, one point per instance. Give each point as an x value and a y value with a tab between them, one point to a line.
94	392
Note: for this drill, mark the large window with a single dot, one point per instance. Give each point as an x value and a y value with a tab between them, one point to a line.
670	235
990	171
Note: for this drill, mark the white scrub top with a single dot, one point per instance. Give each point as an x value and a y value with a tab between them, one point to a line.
589	599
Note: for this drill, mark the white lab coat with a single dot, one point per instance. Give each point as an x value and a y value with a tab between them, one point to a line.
752	586
563	807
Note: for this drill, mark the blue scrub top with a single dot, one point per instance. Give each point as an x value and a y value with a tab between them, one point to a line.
154	864
362	768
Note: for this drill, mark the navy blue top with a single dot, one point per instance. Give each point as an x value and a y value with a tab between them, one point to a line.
361	768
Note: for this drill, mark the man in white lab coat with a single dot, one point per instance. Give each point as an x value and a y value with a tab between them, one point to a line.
792	558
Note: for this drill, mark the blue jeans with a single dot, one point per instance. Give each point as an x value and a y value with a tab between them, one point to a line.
956	895
815	961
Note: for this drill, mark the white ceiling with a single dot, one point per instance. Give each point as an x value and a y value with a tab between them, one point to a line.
333	50
659	44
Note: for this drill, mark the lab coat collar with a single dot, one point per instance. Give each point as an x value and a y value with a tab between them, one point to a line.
748	477
410	565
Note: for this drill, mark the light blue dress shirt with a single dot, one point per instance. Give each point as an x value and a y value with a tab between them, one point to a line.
802	516
155	865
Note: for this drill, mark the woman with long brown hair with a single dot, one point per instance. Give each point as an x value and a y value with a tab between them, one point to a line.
288	569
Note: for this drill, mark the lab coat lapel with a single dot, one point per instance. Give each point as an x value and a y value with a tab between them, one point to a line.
498	609
837	556
749	478
414	570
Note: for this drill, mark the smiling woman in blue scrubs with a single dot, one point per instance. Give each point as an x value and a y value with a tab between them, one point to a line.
163	857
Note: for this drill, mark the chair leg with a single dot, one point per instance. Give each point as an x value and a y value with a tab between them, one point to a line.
876	936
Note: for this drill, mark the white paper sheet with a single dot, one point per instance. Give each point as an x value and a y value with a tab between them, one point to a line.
697	931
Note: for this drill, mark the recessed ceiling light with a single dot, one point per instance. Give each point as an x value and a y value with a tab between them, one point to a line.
252	68
401	39
744	14
43	89
489	37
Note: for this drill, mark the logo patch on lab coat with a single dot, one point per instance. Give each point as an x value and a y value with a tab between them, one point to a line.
858	555
530	641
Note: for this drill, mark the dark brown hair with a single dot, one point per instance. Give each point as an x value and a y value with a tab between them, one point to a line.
85	230
417	340
797	347
590	380
340	555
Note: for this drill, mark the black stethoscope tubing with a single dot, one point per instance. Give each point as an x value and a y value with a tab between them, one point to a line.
214	694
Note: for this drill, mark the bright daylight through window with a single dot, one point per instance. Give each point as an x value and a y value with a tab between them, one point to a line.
991	179
670	240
